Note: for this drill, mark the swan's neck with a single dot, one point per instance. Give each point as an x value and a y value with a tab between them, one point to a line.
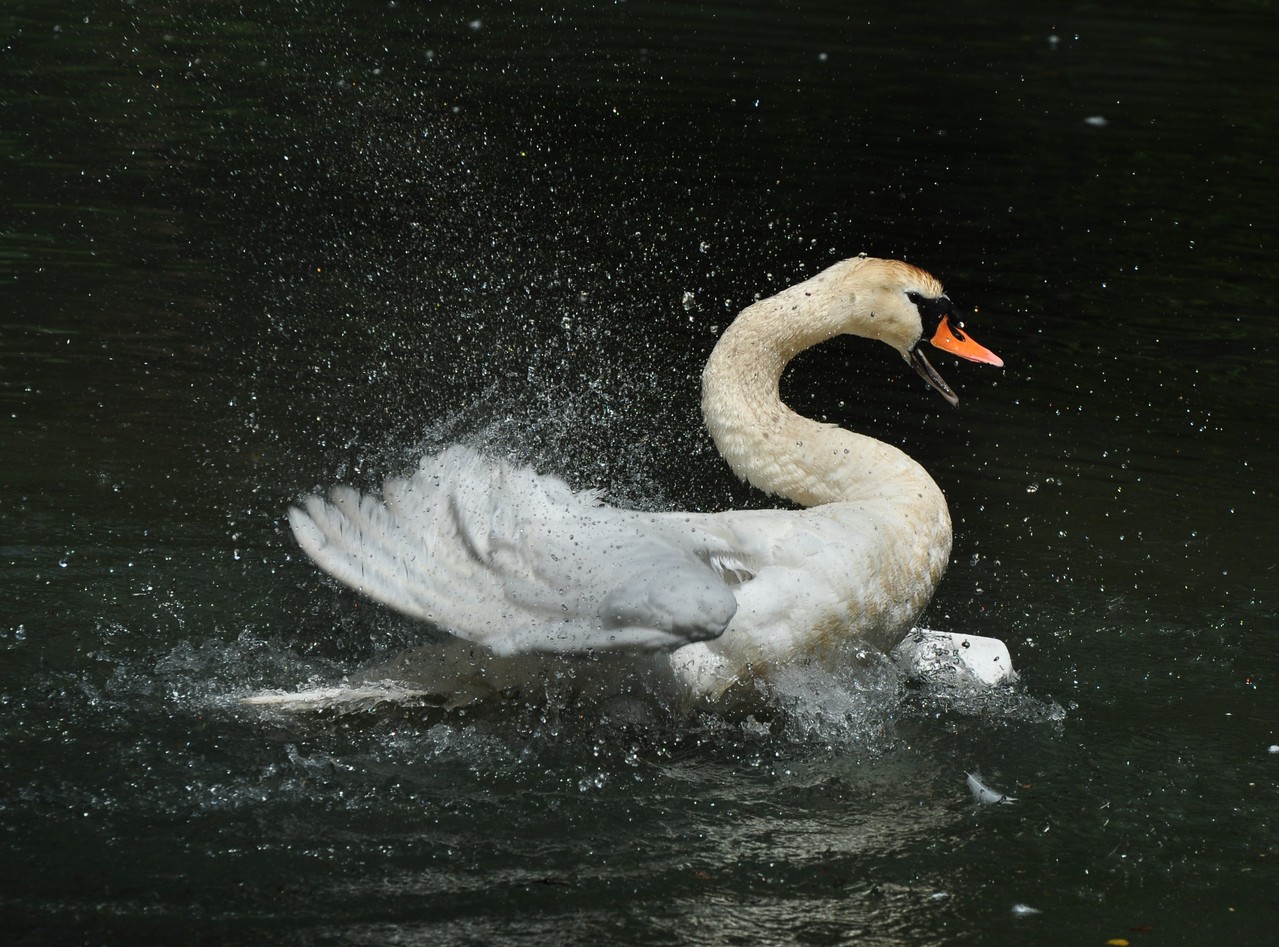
770	445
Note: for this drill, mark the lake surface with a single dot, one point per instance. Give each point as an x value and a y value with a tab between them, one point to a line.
245	255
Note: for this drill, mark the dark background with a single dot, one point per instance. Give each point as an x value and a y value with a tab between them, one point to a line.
244	254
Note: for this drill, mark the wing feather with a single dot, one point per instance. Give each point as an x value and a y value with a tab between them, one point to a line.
519	562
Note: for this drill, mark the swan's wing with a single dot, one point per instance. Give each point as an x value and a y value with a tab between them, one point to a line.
517	561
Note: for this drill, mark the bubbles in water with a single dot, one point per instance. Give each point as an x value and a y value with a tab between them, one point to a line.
594	781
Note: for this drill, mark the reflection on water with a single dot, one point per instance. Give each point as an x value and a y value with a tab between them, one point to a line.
243	257
409	813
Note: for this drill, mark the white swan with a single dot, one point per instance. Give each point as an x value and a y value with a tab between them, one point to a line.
518	562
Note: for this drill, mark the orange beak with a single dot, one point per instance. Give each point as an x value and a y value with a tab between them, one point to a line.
954	340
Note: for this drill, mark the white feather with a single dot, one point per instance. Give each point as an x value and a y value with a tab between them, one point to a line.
983	794
519	562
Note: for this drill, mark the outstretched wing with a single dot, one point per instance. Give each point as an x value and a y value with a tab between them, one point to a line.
517	561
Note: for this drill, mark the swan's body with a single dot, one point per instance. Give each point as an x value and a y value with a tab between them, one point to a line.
518	562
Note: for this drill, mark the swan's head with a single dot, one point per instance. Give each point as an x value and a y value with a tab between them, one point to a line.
901	305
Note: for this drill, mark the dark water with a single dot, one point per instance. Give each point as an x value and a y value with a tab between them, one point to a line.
245	254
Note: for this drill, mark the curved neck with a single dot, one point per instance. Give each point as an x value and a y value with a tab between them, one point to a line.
768	444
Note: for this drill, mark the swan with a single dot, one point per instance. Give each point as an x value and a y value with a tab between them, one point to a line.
516	561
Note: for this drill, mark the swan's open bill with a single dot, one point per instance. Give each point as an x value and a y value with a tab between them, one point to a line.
949	339
518	562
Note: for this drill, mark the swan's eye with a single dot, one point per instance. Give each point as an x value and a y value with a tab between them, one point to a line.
931	310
